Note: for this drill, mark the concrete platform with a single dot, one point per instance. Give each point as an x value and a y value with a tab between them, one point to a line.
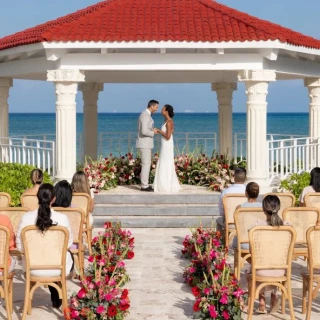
137	209
156	289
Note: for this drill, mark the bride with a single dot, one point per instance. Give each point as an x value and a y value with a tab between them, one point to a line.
166	179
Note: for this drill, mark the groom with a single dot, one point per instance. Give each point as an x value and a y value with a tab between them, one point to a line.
145	142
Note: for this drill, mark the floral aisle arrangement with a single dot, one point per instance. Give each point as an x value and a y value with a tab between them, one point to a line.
102	295
215	287
214	172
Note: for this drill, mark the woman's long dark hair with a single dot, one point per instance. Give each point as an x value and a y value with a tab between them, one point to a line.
315	179
63	194
45	196
271	206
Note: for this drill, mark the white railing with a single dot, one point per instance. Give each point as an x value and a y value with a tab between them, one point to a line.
123	142
240	143
293	155
39	153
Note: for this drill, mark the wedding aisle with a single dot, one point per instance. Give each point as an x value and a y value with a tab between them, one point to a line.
156	289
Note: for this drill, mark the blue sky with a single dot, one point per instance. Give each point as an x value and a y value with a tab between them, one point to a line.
32	96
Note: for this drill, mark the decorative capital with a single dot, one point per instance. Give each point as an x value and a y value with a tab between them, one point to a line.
257	75
6	82
65	75
218	86
90	86
312	82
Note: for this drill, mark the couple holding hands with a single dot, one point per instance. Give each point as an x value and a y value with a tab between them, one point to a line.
166	179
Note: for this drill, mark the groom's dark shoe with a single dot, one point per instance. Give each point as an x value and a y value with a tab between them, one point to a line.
149	189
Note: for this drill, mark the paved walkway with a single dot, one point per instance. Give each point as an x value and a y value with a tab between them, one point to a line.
156	288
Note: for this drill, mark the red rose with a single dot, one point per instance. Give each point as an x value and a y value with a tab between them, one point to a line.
130	255
196	307
196	291
124	306
112	311
124	294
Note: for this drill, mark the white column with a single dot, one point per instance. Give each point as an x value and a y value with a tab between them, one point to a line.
66	83
313	85
224	92
90	93
257	82
5	85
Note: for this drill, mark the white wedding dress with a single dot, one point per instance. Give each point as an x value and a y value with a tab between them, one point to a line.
166	179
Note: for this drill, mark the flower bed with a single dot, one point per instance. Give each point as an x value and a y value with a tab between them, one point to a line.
214	172
215	287
101	295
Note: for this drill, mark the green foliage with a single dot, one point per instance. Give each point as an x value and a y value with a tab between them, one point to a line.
295	184
15	179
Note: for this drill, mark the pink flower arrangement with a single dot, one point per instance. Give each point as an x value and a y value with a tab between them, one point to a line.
214	172
101	295
215	287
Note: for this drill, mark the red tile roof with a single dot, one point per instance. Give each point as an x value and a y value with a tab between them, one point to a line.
158	20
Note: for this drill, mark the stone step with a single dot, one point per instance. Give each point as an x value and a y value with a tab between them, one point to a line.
155	210
151	198
156	222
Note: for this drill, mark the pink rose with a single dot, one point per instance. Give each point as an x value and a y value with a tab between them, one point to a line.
206	291
225	315
224	299
82	293
100	309
74	314
213	312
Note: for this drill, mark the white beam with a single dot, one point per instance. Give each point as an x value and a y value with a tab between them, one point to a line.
55	54
220	51
293	66
25	67
270	54
154	61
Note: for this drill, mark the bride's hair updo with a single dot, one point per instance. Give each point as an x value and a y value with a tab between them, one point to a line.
169	108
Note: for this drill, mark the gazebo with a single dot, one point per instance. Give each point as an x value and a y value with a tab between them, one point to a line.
166	41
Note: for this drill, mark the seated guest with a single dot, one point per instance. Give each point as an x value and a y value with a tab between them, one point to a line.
80	183
63	193
314	185
240	176
271	206
36	179
252	193
44	218
5	221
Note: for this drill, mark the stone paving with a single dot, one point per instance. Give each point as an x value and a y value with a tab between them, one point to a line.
156	288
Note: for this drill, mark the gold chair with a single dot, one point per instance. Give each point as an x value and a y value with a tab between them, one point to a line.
313	275
6	278
29	201
262	240
83	201
76	219
301	219
5	199
230	202
287	200
44	251
244	218
15	214
312	200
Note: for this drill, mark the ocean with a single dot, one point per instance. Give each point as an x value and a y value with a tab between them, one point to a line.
39	124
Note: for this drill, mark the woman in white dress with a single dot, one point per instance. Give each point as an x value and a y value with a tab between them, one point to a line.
166	179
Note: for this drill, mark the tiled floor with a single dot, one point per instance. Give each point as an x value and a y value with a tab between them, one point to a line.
156	288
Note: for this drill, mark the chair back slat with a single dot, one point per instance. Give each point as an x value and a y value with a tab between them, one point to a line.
76	218
287	200
15	214
4	246
262	241
301	219
244	218
313	240
81	200
230	202
5	200
45	248
312	200
29	201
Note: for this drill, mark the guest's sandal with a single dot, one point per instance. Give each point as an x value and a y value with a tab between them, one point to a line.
261	311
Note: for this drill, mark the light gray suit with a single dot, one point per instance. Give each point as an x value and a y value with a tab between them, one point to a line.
145	144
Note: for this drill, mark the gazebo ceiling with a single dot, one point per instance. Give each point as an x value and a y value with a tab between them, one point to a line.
158	20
